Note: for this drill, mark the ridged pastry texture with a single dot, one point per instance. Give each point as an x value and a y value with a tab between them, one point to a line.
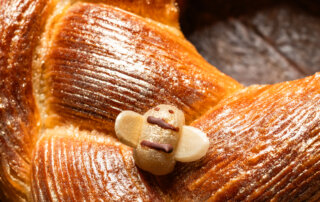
104	60
265	145
67	68
163	11
19	29
86	166
27	29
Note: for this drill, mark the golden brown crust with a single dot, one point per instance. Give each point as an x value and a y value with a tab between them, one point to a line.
256	154
163	11
104	60
18	114
23	23
264	146
264	139
73	165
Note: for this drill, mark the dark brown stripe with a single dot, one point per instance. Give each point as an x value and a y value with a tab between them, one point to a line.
161	123
168	148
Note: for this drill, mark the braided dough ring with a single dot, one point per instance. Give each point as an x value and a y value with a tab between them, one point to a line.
67	68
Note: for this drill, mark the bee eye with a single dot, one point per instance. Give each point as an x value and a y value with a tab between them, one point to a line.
171	111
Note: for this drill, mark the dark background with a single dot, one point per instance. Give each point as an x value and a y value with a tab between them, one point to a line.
256	42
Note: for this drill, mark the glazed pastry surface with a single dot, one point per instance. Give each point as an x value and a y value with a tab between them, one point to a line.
104	60
264	146
255	155
67	68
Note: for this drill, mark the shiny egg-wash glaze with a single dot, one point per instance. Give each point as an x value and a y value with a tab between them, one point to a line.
104	60
254	155
265	145
51	62
264	139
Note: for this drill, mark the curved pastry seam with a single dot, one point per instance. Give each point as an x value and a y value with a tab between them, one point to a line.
40	54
